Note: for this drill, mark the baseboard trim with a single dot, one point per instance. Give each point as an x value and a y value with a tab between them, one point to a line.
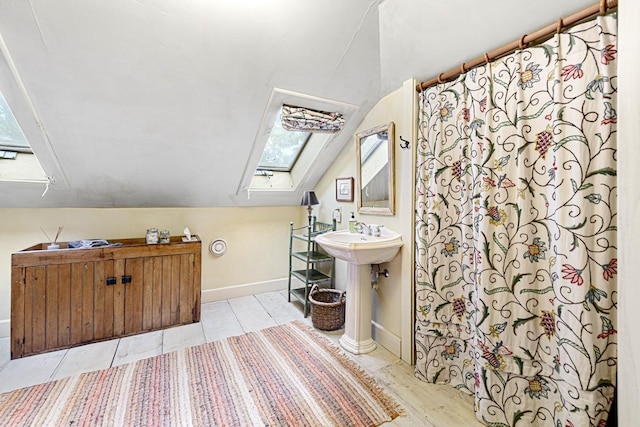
382	336
211	295
208	295
5	328
390	341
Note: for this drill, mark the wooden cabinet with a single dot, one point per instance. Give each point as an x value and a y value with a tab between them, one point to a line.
62	298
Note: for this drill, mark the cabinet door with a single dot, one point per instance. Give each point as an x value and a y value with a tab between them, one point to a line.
176	289
58	306
152	293
104	296
17	311
126	309
169	288
81	297
159	293
187	310
133	295
34	285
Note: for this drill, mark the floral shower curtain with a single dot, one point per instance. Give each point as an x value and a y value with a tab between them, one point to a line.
516	232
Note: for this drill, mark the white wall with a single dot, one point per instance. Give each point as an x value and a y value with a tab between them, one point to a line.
392	301
425	38
629	210
257	237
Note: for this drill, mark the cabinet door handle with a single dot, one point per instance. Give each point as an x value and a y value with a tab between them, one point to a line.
111	280
126	279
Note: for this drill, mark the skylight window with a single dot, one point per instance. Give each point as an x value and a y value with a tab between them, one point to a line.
293	146
283	148
11	136
23	134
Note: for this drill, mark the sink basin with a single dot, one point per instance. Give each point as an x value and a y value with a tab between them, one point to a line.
361	249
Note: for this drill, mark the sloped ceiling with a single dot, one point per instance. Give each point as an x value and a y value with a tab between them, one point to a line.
158	102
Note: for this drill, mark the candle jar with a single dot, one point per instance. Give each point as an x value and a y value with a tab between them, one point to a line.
164	236
152	236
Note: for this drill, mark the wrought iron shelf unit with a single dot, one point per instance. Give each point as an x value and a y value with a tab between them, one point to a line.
310	265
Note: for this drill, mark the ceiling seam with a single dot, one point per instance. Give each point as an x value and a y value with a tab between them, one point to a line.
37	22
353	37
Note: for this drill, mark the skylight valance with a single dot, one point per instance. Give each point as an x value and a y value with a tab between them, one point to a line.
308	120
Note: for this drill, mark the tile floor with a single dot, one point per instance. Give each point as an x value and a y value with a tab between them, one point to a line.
425	404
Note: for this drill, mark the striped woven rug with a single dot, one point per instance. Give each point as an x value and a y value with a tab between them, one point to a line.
280	376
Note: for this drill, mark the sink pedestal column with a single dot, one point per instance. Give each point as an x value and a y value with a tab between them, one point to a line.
357	324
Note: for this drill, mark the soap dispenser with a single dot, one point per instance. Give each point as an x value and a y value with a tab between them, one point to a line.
352	223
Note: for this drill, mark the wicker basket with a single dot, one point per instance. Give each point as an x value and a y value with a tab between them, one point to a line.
327	308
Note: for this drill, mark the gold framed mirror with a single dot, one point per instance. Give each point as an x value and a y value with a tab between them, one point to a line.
376	172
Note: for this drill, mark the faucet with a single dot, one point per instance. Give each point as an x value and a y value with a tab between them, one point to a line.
363	228
376	230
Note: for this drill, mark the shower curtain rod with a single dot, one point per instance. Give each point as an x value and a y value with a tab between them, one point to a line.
598	8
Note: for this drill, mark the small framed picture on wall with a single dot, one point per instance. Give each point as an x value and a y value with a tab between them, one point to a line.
344	189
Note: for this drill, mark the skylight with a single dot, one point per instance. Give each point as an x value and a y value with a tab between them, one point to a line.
293	146
23	134
11	136
17	161
283	148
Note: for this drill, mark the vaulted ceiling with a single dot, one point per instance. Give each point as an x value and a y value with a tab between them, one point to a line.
159	102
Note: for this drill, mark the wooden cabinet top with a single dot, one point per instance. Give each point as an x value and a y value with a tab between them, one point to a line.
127	248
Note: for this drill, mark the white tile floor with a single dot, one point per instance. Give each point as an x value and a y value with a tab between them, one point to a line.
425	404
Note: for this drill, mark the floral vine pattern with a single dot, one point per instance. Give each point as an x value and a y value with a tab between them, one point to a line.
516	232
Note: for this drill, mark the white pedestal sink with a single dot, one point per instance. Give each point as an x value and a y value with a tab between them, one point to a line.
360	251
